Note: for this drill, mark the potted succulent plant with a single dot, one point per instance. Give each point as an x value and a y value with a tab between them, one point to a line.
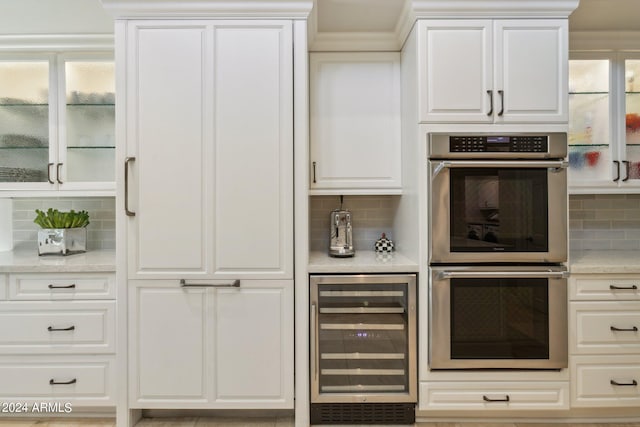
62	232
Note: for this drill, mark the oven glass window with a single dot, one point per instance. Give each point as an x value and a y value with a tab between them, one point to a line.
499	209
499	319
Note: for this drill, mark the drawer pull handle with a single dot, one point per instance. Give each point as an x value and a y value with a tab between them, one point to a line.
62	286
52	329
54	382
488	399
629	288
232	284
632	383
632	329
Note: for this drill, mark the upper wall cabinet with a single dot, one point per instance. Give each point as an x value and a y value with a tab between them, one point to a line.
355	123
604	122
493	71
209	149
57	123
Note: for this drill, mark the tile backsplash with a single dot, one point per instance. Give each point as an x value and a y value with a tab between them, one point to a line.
101	232
604	222
371	216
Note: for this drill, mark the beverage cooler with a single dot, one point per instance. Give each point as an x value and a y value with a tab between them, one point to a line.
363	349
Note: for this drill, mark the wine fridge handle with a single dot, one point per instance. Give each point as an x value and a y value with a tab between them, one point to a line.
314	342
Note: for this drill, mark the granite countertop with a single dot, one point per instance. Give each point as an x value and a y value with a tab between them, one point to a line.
604	262
362	262
28	261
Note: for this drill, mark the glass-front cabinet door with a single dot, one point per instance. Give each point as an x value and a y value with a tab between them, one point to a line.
632	118
604	122
57	123
88	117
24	122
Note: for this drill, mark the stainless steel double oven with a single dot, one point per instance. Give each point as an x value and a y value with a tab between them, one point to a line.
498	241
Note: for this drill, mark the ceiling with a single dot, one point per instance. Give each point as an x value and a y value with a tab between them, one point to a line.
356	18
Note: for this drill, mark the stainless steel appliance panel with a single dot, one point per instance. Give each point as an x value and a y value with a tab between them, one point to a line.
522	215
498	318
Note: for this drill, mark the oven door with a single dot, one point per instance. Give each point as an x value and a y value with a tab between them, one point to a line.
511	318
498	211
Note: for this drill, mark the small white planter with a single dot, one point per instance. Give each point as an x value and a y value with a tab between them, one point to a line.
62	241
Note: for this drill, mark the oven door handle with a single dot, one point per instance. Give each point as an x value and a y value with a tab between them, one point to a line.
500	274
553	165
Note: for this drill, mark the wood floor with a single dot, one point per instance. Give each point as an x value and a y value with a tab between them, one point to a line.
256	422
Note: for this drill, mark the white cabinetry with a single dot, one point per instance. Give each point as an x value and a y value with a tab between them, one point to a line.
57	339
210	148
493	71
208	197
57	122
605	345
226	347
355	123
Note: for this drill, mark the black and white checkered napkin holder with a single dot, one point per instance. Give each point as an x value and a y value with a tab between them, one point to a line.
384	245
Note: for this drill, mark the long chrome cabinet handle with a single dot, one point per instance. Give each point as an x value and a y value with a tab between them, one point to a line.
126	186
58	166
490	93
501	93
49	173
233	284
551	164
513	274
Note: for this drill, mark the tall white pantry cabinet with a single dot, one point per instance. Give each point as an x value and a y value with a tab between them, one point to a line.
206	186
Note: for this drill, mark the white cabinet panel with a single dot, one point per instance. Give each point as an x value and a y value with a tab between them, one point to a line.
532	70
253	93
605	327
355	123
212	136
606	287
48	286
605	381
81	381
495	396
457	57
254	320
493	71
209	347
167	343
171	200
57	327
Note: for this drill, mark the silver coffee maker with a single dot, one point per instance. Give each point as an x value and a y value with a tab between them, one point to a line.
341	244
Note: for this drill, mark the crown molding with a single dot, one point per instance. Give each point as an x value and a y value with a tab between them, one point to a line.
425	9
250	9
56	42
604	41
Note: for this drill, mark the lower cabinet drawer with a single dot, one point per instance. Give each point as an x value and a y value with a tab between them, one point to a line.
611	327
81	381
494	396
59	286
607	381
51	327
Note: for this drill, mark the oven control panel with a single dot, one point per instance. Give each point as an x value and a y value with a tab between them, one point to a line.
498	143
